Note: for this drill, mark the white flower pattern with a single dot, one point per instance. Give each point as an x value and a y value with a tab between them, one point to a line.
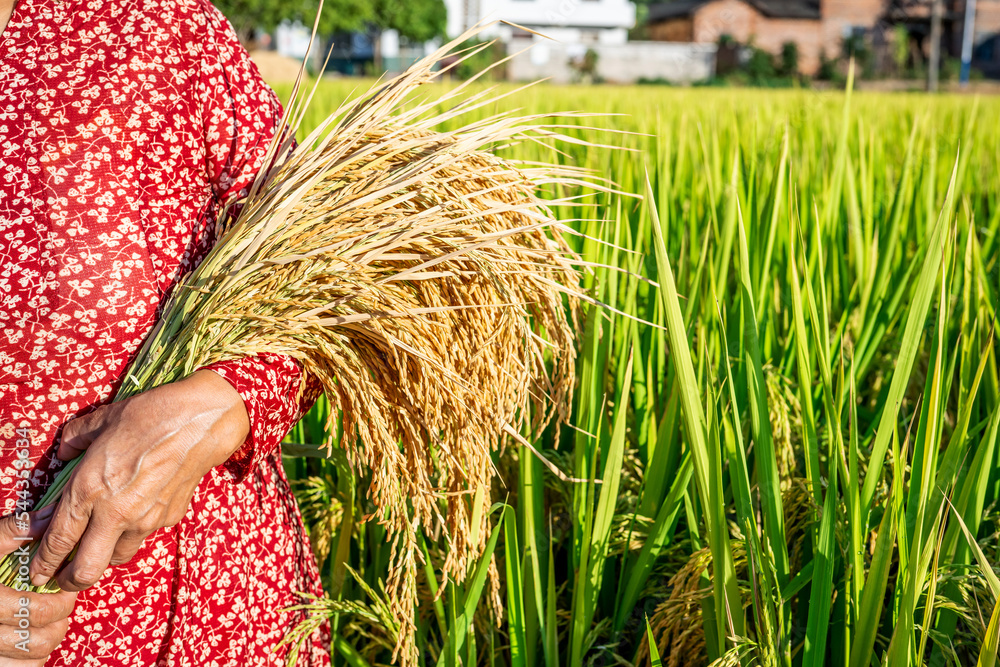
124	127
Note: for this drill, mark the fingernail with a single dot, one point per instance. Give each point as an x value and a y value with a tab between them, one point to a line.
39	580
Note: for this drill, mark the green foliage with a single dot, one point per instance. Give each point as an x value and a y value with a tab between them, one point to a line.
760	65
827	68
900	46
789	59
586	66
487	53
855	46
796	462
251	16
416	20
757	67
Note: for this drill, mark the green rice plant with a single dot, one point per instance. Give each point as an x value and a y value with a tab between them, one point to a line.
795	461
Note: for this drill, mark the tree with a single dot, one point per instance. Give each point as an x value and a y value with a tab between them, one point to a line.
252	16
789	59
415	20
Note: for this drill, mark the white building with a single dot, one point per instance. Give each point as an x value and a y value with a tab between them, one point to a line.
577	22
292	39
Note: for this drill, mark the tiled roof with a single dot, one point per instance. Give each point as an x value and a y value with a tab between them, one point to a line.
662	11
784	9
788	9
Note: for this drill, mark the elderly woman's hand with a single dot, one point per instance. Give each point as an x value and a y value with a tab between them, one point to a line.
31	624
143	459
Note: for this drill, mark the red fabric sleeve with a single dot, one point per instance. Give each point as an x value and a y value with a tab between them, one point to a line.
240	114
269	385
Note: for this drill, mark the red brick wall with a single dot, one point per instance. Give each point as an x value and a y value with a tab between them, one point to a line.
841	15
987	17
773	33
852	12
672	30
725	17
745	24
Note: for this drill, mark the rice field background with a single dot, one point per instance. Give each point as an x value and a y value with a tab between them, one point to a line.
794	463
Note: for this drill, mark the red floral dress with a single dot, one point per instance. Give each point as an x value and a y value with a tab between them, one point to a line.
124	126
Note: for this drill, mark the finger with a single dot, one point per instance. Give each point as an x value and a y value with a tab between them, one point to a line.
80	433
14	662
11	662
92	558
67	526
31	643
18	530
36	609
128	546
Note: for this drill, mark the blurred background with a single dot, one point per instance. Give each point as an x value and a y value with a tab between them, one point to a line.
897	44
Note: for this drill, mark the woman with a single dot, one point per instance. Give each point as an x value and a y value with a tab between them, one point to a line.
125	126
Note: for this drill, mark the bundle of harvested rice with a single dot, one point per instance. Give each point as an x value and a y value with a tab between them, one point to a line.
419	278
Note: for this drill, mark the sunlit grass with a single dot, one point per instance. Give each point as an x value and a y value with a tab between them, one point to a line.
786	464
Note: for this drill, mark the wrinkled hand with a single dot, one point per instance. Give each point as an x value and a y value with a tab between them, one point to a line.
31	624
143	458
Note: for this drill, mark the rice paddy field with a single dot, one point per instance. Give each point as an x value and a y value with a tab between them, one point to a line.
792	460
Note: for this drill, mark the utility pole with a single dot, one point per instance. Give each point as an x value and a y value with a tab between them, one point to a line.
934	64
470	14
968	36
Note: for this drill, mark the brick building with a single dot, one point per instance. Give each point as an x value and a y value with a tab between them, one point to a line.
817	27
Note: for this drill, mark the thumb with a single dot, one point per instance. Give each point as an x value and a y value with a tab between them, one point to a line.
23	528
80	433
